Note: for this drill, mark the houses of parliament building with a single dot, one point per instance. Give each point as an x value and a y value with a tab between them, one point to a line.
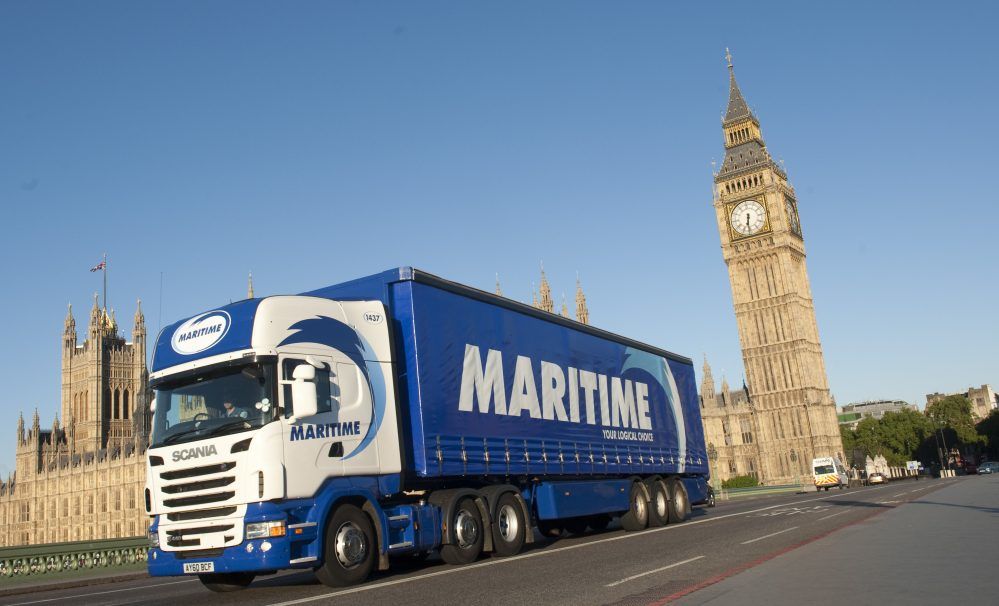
82	479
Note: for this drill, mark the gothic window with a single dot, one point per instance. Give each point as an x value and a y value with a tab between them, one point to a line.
731	466
25	512
106	404
747	432
125	408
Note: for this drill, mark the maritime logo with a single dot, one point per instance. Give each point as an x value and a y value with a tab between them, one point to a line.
201	332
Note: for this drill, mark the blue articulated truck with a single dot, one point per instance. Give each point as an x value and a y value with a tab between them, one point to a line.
402	414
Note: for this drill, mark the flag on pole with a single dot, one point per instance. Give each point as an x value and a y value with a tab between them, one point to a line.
100	266
746	391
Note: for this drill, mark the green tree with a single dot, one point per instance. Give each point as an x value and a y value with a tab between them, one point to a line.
954	413
903	433
869	438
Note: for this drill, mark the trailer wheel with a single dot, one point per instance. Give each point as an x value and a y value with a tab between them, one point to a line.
637	517
466	531
225	582
350	548
679	503
659	506
509	526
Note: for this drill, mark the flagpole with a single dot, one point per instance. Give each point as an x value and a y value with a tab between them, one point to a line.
105	283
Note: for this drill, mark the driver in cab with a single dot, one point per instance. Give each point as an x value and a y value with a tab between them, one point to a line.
231	411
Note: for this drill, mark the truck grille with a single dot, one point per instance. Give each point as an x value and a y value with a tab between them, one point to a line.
203	485
200	499
198	508
178	474
200	514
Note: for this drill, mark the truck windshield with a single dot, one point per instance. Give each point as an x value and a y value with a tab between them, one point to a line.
228	400
824	469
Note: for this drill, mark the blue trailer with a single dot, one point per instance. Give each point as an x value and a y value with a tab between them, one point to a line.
402	413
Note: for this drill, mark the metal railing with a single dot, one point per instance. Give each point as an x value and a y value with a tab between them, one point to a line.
67	557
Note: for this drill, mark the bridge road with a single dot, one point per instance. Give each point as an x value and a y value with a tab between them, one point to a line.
612	567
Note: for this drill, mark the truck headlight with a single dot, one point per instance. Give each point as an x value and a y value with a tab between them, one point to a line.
154	539
259	530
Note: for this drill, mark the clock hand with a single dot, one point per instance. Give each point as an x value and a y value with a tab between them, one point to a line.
747	220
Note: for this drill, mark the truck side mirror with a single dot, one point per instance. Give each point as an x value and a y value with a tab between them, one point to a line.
152	405
303	392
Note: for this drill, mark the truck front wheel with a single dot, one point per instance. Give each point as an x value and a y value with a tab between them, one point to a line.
466	534
224	582
350	548
509	527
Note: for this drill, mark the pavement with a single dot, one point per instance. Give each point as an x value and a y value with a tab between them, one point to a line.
815	547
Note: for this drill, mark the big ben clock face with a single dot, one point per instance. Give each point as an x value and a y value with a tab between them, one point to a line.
748	218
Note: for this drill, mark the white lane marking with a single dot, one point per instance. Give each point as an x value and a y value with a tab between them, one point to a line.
86	595
645	574
899	494
630	535
767	536
833	515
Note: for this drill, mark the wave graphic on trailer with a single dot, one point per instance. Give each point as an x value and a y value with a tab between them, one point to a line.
330	332
658	367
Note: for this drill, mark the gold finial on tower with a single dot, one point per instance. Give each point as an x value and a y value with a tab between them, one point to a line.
728	57
249	286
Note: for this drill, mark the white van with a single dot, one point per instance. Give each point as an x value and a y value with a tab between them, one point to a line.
829	472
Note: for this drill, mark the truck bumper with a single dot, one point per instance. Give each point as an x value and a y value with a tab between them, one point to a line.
257	555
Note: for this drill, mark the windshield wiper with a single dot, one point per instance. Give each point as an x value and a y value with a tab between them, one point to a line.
170	439
221	429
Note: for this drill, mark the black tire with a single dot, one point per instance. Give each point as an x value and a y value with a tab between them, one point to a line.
711	498
509	526
599	522
576	526
679	501
466	534
659	505
350	548
550	528
226	582
637	517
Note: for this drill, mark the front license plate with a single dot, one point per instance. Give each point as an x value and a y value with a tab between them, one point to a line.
198	567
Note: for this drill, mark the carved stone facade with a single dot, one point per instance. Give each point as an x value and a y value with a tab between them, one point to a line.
729	430
762	244
83	478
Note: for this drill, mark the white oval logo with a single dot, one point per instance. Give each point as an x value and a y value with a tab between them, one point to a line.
372	317
200	332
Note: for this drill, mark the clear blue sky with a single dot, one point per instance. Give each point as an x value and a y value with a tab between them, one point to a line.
316	142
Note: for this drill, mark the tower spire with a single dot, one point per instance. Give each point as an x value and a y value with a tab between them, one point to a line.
499	291
737	107
546	302
249	286
582	312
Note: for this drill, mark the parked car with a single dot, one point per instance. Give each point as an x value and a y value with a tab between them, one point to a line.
876	478
970	468
988	467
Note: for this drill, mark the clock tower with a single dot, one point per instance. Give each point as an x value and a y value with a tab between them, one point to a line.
763	246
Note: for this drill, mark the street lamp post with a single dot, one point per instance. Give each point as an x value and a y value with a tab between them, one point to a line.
712	455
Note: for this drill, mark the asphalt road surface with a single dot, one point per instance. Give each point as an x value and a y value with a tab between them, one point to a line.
778	539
